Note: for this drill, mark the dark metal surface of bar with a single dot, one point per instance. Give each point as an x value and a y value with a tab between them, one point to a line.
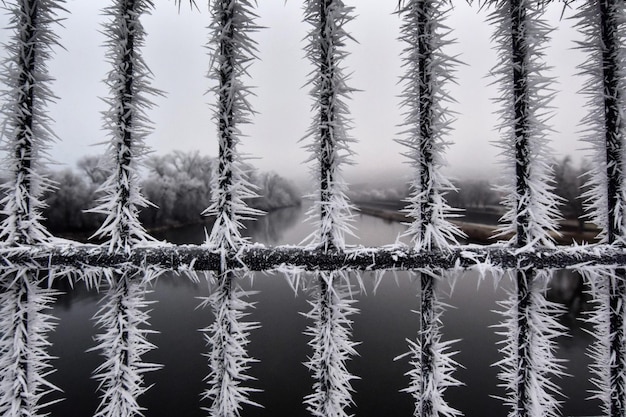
521	129
29	16
260	258
327	121
425	143
611	71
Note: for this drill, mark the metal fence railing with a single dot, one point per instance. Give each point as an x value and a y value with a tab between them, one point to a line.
129	258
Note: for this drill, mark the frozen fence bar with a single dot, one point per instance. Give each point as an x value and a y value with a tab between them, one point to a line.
259	258
131	258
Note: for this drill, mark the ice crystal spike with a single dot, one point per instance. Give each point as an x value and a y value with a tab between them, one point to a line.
328	134
521	34
232	22
331	210
232	50
530	326
128	124
431	357
24	324
26	135
124	320
332	348
530	330
123	315
26	126
599	281
227	339
427	122
601	23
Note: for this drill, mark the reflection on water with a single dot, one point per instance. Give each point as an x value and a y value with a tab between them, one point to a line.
269	229
385	321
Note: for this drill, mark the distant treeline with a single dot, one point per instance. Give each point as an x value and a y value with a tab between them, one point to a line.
477	194
178	184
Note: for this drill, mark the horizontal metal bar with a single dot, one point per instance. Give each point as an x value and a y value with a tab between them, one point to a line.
261	258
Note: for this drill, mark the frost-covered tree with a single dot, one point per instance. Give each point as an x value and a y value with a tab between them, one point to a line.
179	184
529	320
427	121
232	22
332	304
65	204
122	315
602	24
26	134
275	192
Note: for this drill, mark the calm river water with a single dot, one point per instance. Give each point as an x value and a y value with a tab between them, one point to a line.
385	321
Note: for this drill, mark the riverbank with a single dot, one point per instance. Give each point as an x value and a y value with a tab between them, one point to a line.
479	232
161	230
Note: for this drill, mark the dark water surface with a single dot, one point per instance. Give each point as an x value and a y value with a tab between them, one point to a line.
384	323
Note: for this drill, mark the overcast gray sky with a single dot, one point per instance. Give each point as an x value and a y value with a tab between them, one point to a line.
175	52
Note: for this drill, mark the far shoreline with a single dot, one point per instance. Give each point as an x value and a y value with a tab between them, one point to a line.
476	232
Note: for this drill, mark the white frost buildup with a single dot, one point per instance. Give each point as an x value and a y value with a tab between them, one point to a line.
600	281
427	123
26	129
430	379
332	348
26	133
123	318
601	22
528	350
23	358
329	149
127	123
227	339
604	88
525	96
529	326
232	49
123	312
328	134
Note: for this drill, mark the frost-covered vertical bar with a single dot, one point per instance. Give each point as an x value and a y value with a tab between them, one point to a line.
602	24
233	49
26	134
330	145
525	94
522	168
26	128
427	123
332	303
227	337
611	26
122	316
